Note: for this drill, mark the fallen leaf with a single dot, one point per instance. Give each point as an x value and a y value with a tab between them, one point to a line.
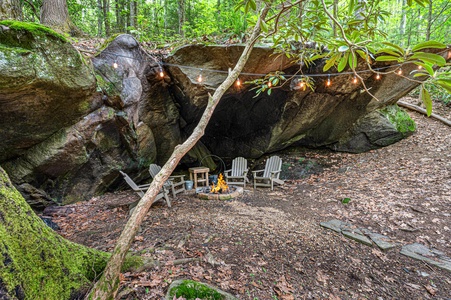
430	289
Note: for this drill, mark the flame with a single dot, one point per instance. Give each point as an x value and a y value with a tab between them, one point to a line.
221	187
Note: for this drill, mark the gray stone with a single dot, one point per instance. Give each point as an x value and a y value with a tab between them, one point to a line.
358	236
382	241
431	256
336	225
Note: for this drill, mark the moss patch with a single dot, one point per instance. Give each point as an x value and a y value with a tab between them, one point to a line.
36	29
400	119
192	290
35	262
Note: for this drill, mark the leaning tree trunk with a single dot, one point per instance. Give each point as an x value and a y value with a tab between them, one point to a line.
54	13
35	262
107	286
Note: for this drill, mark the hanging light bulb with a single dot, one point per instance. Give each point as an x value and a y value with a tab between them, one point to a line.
238	82
161	72
328	82
354	80
378	76
399	72
302	85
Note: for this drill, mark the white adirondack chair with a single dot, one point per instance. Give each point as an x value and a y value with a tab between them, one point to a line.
270	174
175	183
141	190
237	175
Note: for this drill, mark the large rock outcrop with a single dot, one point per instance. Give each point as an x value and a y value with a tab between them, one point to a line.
128	121
248	125
45	85
69	124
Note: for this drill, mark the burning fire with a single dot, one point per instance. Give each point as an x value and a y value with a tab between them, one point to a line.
221	187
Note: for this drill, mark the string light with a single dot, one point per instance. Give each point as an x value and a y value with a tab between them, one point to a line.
378	76
328	83
161	72
269	84
302	85
199	78
238	82
420	67
399	72
354	80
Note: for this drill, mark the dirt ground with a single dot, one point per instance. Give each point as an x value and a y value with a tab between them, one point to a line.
269	245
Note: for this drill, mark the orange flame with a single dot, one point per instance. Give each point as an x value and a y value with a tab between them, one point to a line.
220	187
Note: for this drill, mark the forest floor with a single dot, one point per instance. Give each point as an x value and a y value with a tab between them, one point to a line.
269	244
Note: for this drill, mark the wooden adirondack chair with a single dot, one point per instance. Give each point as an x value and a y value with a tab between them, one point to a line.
141	190
237	175
270	174
175	183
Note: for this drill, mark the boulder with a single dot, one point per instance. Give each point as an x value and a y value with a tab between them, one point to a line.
45	85
68	126
250	125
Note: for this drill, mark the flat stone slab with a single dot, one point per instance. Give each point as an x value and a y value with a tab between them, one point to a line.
431	256
358	236
336	225
382	241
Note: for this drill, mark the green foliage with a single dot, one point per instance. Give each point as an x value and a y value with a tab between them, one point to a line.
36	29
191	290
399	118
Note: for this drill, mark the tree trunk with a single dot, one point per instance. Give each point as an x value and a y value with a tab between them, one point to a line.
99	17
106	18
54	13
36	262
335	13
402	22
429	24
133	13
10	9
107	286
181	13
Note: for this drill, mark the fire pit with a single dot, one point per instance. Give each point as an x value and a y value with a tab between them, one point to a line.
220	191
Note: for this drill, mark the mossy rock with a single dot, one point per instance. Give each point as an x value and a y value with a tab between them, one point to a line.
400	119
191	290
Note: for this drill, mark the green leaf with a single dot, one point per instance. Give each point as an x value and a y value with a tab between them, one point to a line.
363	55
428	44
343	48
352	60
263	26
269	92
253	4
427	67
387	58
429	57
345	200
396	48
446	84
343	62
420	74
330	62
426	98
388	51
